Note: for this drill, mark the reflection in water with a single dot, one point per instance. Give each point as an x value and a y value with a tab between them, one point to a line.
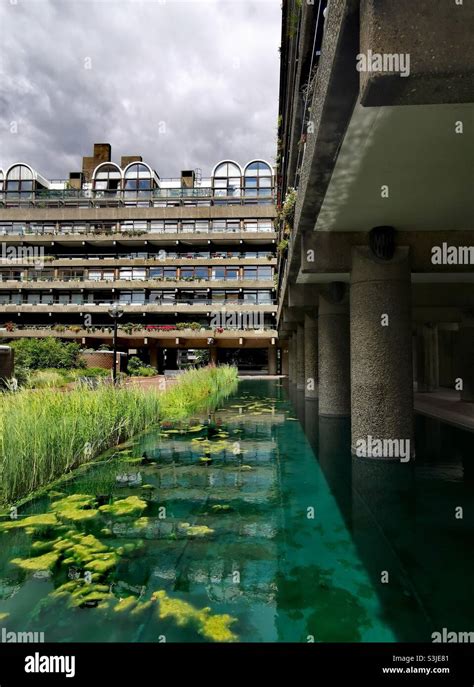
277	531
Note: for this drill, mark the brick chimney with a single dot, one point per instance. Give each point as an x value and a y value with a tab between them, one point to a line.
187	178
127	159
102	153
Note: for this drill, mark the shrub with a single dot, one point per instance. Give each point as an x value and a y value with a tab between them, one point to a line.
41	354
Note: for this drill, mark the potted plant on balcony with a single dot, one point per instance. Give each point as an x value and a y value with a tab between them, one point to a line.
10	326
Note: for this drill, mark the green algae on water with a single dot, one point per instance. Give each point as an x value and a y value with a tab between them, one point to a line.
128	507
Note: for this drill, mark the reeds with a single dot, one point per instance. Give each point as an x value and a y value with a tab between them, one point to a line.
45	433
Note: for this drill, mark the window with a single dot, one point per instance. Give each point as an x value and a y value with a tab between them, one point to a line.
200	296
101	275
107	179
161	297
260	225
250	297
14	297
227	179
135	273
202	226
187	226
20	182
218	273
138	181
134	226
132	297
258	179
71	275
261	272
264	297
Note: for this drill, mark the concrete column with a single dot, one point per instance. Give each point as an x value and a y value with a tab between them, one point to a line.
381	348
311	356
285	358
300	381
465	362
292	358
154	356
272	360
213	355
427	357
333	359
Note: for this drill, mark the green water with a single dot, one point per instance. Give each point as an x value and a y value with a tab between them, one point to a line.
264	519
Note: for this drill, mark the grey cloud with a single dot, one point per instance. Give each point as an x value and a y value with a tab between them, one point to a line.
205	71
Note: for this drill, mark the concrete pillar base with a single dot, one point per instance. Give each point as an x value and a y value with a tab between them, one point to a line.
272	360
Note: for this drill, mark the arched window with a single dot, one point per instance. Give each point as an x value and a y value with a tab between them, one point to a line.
258	179
138	180
227	179
107	179
19	182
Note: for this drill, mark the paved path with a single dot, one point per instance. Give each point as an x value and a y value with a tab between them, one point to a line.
445	405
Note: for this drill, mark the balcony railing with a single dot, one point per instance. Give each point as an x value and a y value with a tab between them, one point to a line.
154	198
25	230
146	330
156	302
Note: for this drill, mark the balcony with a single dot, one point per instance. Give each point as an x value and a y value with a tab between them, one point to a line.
161	197
141	333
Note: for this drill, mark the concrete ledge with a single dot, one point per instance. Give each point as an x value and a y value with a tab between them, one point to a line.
445	405
437	37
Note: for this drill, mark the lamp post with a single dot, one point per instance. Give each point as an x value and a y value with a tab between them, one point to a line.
115	312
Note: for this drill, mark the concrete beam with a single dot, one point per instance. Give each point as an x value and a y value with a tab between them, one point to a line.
331	252
436	37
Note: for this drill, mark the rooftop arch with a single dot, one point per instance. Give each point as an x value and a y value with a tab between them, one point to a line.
107	178
227	178
139	179
22	180
258	178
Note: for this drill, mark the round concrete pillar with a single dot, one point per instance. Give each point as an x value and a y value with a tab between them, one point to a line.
311	356
272	360
300	380
381	353
465	362
333	359
285	358
292	358
427	357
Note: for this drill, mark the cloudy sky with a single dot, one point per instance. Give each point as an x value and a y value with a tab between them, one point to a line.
183	83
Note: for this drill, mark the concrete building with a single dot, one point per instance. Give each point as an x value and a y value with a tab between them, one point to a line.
376	131
191	260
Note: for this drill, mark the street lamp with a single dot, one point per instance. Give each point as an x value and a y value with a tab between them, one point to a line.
115	312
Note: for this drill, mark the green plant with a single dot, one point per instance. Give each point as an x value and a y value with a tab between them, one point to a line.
134	364
38	354
288	209
56	432
282	246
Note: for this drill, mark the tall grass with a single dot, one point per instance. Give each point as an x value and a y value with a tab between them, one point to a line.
45	433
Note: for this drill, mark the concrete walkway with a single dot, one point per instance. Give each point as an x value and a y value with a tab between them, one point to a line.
445	405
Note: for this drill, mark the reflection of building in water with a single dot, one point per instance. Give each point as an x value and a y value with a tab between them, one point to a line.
235	499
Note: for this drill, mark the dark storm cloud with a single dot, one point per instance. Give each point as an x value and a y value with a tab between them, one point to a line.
182	82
